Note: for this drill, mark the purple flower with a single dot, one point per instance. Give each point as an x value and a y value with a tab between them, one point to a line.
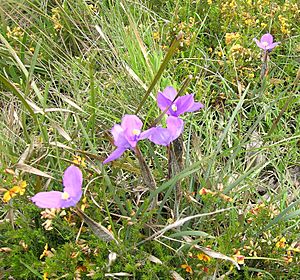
164	136
266	42
72	181
179	106
126	135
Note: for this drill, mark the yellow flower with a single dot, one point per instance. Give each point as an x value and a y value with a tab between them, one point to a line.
281	243
46	252
79	161
209	2
8	195
240	259
22	187
187	268
156	36
205	191
229	37
45	276
84	204
226	197
288	258
19	189
203	257
237	48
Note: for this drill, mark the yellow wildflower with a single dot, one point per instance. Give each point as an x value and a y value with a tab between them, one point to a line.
156	36
46	252
237	48
84	204
203	257
281	243
225	197
240	259
288	258
209	2
229	37
205	191
22	187
187	268
9	195
79	161
19	189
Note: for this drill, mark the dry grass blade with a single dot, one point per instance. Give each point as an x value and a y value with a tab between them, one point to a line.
99	230
181	222
213	254
176	276
29	169
153	259
62	132
118	274
70	102
60	145
217	255
25	155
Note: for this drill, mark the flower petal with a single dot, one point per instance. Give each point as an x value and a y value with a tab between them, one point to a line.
259	44
119	137
175	127
268	38
132	126
163	102
170	93
131	122
72	181
183	104
164	136
160	136
272	46
146	134
115	154
52	199
196	106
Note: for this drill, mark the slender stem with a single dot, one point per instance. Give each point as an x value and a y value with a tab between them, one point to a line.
147	176
264	67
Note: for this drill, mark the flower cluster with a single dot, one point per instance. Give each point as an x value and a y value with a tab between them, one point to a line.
19	189
130	132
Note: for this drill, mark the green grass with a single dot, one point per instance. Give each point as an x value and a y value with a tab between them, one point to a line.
70	71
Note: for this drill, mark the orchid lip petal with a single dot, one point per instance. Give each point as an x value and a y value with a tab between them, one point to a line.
268	38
